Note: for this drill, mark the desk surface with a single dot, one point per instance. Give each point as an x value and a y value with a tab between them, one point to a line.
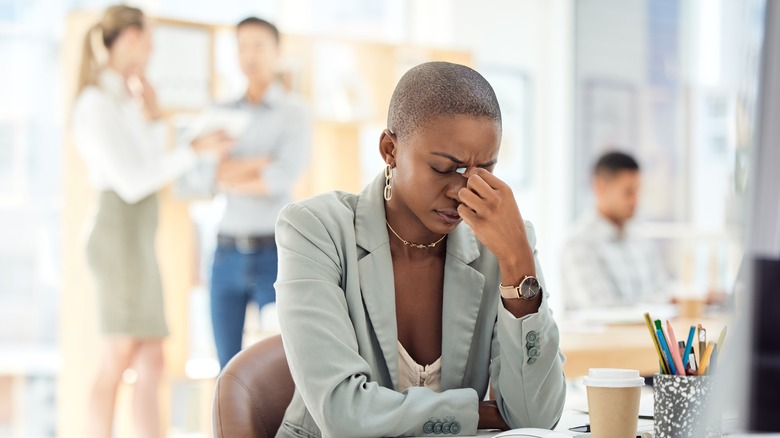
573	414
622	346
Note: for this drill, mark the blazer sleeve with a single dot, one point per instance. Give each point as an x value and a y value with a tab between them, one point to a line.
335	382
527	366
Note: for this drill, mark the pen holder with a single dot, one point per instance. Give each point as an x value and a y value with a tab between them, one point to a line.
682	407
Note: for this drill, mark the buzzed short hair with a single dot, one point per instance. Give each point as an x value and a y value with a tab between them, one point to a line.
613	162
262	23
435	89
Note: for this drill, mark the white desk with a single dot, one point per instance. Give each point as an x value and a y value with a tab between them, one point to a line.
572	418
576	404
574	415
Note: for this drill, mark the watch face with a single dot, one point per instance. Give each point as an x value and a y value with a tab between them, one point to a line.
530	288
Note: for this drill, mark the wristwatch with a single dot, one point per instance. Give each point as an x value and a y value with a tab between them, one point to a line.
528	289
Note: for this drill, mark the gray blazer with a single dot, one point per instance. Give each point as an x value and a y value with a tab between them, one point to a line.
336	304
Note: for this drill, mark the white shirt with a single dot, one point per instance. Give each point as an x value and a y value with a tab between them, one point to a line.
122	149
410	373
604	267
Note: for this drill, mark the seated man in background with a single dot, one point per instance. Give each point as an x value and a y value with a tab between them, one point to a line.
604	264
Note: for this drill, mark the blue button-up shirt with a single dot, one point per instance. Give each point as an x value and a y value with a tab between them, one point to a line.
280	128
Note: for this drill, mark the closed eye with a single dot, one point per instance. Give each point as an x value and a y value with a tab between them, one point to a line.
443	172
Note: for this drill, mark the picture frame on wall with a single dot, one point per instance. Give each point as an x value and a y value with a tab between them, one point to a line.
608	121
513	88
340	92
181	65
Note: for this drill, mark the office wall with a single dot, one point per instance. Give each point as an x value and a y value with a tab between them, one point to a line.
622	74
630	96
533	39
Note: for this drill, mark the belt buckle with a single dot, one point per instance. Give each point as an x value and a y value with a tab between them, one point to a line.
245	245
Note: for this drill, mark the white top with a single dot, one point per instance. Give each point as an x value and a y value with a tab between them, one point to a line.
123	150
410	373
604	267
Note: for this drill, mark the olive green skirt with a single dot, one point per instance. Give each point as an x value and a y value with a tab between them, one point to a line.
123	262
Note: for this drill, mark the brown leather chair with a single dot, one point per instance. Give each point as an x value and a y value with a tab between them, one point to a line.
253	392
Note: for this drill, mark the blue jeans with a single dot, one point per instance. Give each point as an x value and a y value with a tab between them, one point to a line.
236	278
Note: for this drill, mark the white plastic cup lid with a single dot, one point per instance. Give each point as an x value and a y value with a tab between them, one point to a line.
613	378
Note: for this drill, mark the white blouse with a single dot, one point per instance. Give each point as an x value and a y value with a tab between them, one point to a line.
410	373
122	149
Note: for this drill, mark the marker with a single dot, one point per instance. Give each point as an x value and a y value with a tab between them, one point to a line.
667	353
681	349
675	350
689	347
702	342
692	363
659	352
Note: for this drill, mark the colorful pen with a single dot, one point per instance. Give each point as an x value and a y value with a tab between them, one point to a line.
661	360
678	365
688	347
667	353
705	359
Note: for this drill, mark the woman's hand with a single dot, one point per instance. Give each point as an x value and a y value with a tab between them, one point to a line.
141	88
488	206
490	417
217	142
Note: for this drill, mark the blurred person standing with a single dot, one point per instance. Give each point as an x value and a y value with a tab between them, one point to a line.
118	131
256	179
604	264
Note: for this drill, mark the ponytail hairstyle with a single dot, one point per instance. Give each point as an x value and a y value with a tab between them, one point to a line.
101	36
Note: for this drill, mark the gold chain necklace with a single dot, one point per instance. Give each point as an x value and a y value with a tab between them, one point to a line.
414	245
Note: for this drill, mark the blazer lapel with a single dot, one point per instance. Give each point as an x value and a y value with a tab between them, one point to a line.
376	272
463	287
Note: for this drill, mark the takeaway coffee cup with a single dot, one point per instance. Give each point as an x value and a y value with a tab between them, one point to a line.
613	402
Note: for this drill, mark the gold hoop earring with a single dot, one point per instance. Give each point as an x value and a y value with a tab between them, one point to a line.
388	182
